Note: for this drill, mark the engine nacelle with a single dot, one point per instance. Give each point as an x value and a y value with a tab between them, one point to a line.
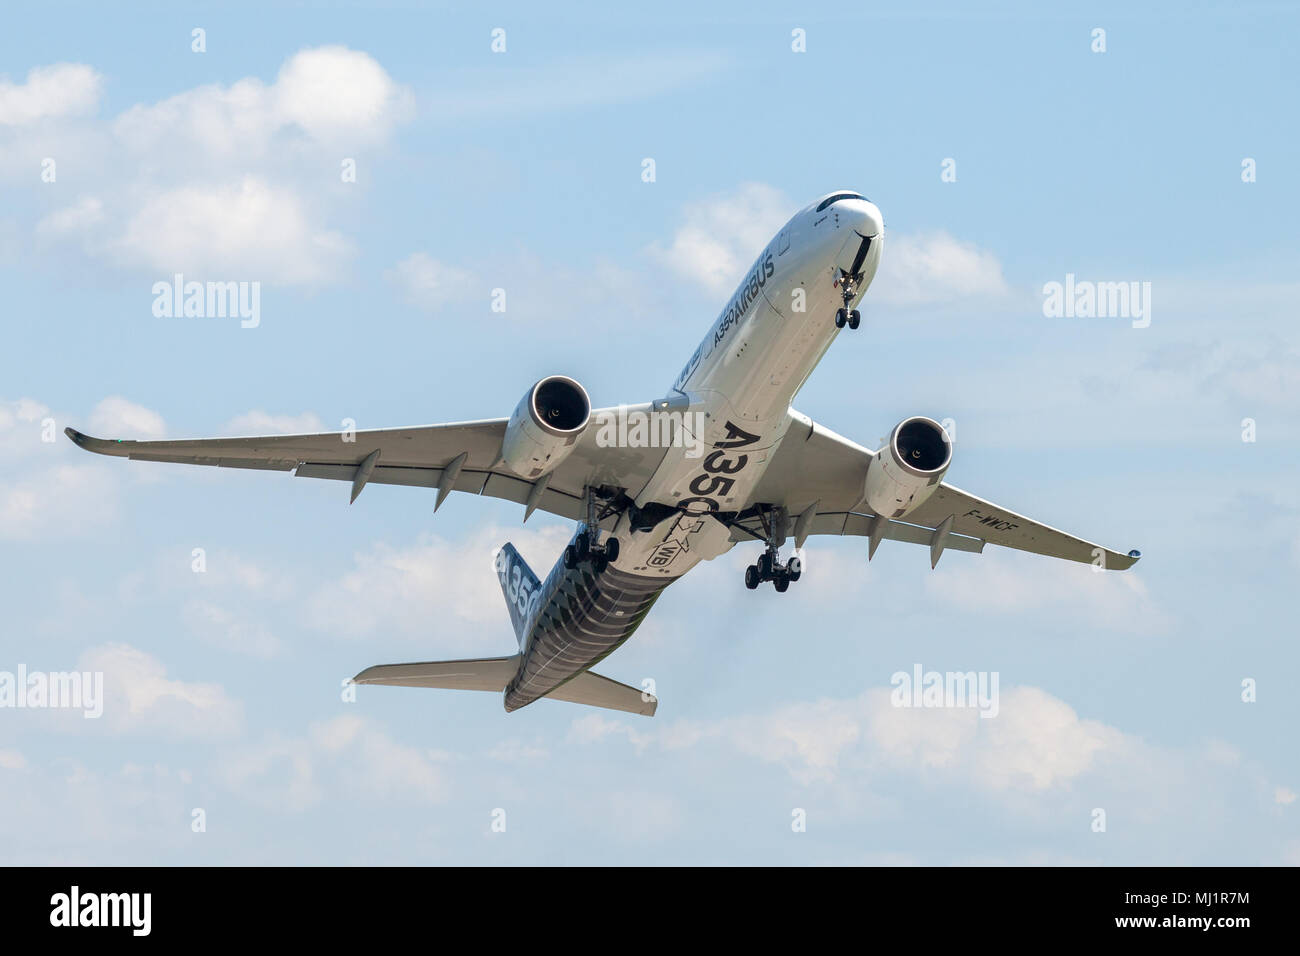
906	471
545	426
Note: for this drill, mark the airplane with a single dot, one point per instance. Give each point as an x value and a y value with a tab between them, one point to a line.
742	465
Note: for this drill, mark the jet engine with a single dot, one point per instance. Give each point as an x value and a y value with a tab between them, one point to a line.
906	471
545	426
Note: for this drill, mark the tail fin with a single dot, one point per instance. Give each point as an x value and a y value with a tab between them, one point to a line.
521	588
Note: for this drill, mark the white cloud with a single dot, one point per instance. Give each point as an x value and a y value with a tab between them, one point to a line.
227	604
12	760
209	181
66	813
504	89
61	89
21	426
1255	374
517	751
1036	742
139	696
276	773
43	494
329	95
430	284
933	269
223	626
381	767
250	231
76	220
1284	796
56	500
1040	742
1001	582
334	94
115	417
348	754
721	236
432	593
258	422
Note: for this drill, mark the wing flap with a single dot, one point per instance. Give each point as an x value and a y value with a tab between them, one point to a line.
860	525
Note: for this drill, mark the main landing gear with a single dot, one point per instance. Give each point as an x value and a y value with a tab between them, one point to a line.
583	550
846	316
769	566
586	546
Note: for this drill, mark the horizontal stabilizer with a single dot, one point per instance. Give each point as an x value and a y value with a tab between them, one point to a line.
484	673
494	673
596	691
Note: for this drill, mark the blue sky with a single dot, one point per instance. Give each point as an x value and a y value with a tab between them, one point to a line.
522	170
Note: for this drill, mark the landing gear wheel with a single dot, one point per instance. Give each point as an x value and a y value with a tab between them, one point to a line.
794	568
611	549
570	557
599	563
854	318
751	577
765	565
582	546
841	317
781	582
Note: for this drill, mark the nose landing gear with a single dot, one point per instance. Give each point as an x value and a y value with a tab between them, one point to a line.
848	283
848	289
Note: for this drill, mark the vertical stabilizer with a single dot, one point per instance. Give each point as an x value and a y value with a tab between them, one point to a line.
520	587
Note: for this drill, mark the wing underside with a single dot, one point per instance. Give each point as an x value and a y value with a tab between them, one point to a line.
821	475
815	473
463	456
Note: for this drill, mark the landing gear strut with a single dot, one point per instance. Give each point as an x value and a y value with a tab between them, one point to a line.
587	546
848	289
769	566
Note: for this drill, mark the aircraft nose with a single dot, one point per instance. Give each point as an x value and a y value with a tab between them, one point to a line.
867	219
860	253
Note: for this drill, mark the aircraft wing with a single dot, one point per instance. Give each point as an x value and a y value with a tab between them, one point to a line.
816	466
467	454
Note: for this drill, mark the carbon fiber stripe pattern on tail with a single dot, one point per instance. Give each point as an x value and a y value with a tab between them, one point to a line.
585	617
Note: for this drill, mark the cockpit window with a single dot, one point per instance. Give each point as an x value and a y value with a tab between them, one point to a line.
836	198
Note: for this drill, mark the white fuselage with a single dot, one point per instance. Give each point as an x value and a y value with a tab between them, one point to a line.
741	380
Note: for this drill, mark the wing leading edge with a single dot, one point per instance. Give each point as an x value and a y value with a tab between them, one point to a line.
461	456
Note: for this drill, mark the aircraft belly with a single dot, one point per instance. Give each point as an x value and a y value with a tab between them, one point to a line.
674	546
585	617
